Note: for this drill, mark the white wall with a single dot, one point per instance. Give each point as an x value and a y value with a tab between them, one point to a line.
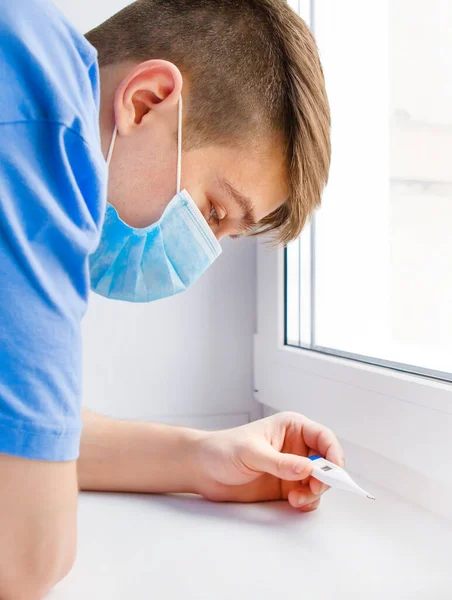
187	359
86	14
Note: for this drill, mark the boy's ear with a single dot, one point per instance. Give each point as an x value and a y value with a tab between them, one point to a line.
154	85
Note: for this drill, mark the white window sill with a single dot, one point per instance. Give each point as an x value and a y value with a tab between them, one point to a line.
137	546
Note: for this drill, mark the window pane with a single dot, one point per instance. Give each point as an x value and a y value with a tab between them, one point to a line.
383	238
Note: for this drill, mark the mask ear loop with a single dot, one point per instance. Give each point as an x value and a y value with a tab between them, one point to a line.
112	145
179	145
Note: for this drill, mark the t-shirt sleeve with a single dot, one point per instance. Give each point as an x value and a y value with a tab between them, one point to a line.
50	216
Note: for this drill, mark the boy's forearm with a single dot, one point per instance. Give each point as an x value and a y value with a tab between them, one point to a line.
130	456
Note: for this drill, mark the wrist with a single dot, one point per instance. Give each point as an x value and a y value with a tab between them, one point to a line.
194	471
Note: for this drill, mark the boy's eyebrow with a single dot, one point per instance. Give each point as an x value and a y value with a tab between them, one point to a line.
248	219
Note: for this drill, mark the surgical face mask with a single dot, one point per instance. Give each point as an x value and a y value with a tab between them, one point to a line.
142	265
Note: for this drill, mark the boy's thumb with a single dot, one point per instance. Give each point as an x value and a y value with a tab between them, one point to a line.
284	466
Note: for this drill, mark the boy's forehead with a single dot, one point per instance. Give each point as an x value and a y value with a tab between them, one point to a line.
260	176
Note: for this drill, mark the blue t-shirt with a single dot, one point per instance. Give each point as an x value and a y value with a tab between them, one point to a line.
52	201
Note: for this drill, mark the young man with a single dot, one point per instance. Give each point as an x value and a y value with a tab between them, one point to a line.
254	157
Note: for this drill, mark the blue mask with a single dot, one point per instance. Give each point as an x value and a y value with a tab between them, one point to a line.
142	265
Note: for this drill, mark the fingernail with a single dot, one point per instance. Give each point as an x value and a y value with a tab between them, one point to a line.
301	500
310	507
298	468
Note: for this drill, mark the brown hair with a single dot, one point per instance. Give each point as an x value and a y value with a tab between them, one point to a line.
253	69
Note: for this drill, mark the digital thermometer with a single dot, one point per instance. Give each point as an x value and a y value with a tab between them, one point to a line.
329	473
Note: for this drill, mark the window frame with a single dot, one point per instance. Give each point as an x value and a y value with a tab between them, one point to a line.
308	245
306	339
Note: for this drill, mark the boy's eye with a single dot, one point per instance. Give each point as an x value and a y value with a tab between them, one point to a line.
213	214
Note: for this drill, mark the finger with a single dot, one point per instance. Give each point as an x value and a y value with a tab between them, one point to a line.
289	467
317	487
302	497
322	440
310	507
310	452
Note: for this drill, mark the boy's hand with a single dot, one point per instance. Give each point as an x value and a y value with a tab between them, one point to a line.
266	460
251	463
